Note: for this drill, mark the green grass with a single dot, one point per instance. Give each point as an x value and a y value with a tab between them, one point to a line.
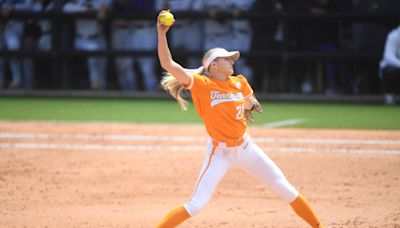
315	115
333	116
66	109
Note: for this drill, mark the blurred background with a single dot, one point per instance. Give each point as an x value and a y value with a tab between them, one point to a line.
290	48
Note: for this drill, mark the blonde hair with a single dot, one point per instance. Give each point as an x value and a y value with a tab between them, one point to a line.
170	84
175	88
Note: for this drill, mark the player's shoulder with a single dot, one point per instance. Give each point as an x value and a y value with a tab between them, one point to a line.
201	77
240	78
198	80
241	82
394	34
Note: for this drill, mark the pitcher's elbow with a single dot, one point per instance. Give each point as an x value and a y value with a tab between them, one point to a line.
166	66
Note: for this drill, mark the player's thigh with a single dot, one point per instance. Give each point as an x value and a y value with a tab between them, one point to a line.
258	164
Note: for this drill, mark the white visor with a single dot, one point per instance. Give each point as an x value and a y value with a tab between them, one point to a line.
220	52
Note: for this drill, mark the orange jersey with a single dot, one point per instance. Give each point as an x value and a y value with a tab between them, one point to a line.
220	104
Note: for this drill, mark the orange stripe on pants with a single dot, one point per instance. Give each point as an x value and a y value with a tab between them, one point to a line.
205	170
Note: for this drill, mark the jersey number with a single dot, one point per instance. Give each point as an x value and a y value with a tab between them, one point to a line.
240	112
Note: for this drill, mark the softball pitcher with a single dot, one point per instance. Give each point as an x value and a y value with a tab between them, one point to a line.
223	102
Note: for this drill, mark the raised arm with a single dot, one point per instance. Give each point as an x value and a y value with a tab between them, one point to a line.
164	54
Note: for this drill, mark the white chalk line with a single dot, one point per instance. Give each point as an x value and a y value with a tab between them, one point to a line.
284	123
182	148
184	138
98	147
153	138
100	137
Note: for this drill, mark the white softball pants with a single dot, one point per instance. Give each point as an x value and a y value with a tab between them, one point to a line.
248	156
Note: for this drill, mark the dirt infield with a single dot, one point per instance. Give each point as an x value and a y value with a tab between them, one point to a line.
127	175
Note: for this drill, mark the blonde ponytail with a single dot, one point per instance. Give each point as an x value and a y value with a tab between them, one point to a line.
175	88
170	84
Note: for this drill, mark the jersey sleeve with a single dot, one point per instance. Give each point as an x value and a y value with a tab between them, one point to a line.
247	90
197	82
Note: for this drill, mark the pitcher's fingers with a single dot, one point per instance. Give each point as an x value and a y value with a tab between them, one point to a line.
249	115
160	14
258	107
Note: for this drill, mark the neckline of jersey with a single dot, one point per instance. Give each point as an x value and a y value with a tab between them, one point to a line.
227	79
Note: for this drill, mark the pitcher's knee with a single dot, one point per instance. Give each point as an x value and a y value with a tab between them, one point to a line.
285	190
193	207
